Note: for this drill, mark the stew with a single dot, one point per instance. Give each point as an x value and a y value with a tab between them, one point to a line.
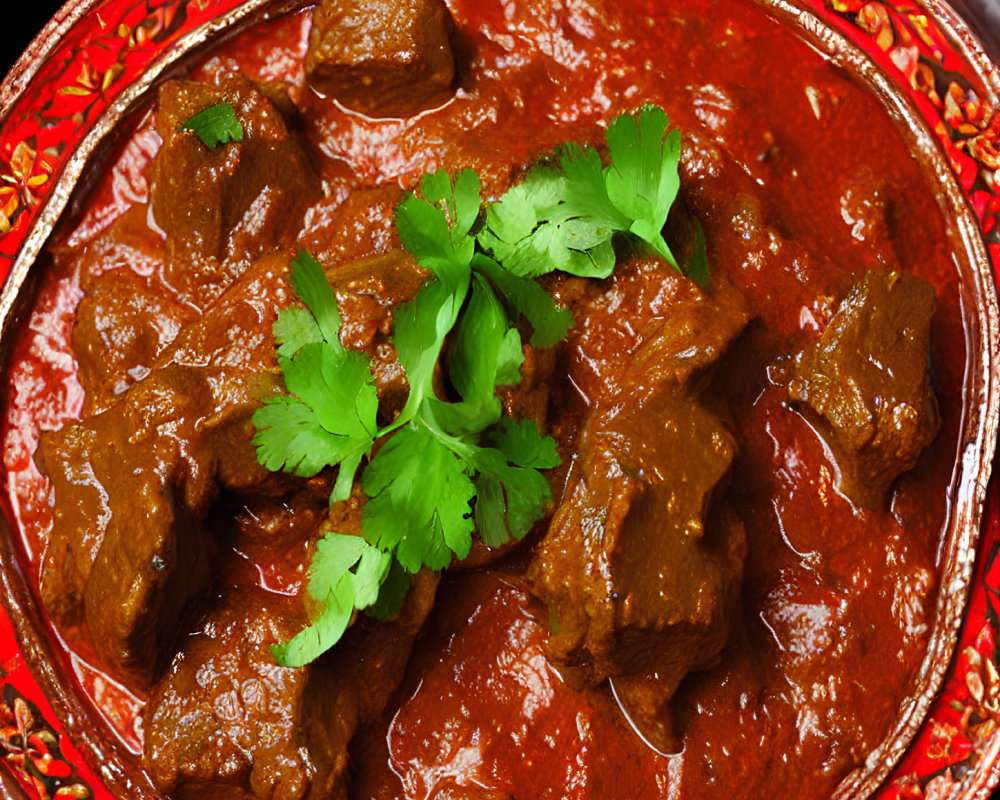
734	585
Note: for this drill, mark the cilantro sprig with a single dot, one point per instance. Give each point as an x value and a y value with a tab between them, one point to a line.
443	470
215	125
565	217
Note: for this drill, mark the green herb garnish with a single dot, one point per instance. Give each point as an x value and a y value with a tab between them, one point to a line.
446	469
564	217
215	125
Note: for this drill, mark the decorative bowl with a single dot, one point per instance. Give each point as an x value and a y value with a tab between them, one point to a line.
97	59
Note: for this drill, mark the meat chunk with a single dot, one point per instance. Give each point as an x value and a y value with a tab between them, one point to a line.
221	208
133	483
389	58
867	383
227	722
122	325
641	563
226	715
127	553
638	572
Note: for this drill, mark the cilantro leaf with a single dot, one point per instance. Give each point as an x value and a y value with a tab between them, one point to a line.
642	180
450	464
420	330
565	218
697	267
293	329
435	228
310	284
510	498
215	125
391	594
523	444
346	574
290	438
328	420
330	417
460	201
419	500
509	359
511	494
479	354
549	322
532	230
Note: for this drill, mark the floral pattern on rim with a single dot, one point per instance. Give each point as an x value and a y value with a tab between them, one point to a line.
26	175
117	39
30	747
914	47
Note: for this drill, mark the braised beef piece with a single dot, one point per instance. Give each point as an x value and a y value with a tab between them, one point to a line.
866	382
225	716
227	722
353	223
126	316
128	552
220	208
388	58
641	563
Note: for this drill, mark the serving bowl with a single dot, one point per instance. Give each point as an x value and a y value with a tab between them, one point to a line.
97	60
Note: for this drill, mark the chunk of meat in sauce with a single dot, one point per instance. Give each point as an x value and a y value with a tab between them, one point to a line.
226	721
638	573
219	209
127	550
388	58
867	380
226	716
124	321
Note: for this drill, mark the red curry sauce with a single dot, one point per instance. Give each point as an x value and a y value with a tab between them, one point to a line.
837	602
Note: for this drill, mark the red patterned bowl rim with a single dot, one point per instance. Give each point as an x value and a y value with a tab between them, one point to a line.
95	57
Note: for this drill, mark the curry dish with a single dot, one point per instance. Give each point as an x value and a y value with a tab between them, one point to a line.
732	588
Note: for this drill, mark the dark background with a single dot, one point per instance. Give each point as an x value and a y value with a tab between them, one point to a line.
32	15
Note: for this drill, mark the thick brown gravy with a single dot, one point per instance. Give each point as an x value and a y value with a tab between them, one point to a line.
803	184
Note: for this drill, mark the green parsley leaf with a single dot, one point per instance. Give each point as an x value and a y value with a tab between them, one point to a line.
447	467
310	284
510	498
511	494
293	329
532	230
564	218
420	330
642	180
436	228
346	574
549	322
391	594
697	268
523	444
330	417
480	352
419	500
510	358
215	125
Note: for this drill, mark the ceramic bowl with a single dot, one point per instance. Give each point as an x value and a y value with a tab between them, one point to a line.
97	59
